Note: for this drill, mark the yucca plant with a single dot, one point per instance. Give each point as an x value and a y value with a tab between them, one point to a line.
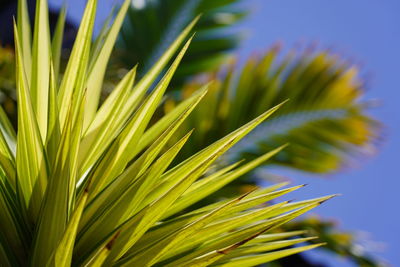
88	186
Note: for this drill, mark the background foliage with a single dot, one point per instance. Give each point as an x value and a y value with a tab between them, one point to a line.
324	121
148	30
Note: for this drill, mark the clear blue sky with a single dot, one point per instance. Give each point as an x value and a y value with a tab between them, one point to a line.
368	32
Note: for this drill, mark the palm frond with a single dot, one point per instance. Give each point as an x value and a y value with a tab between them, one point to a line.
325	120
152	25
343	243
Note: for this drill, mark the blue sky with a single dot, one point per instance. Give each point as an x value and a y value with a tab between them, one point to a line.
367	32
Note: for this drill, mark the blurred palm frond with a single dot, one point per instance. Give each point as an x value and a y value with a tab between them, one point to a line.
342	243
151	25
325	120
